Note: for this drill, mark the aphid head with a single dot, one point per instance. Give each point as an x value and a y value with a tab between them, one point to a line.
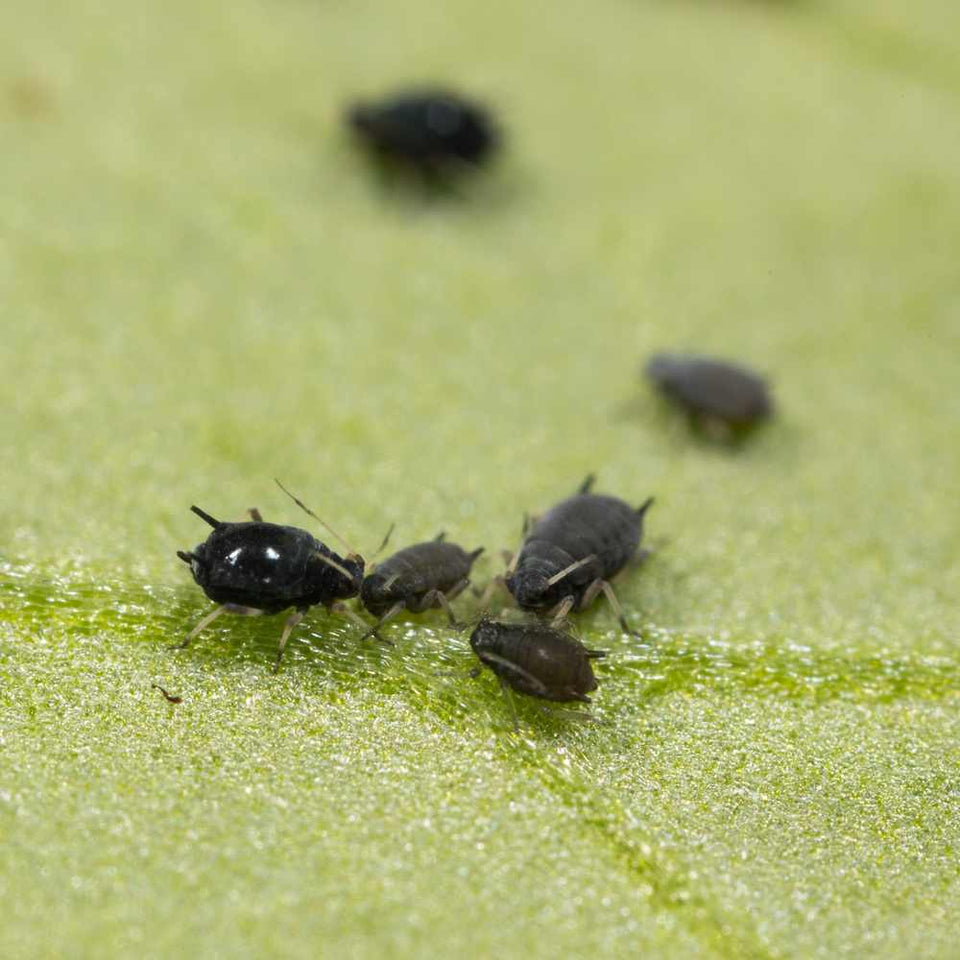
485	636
196	558
354	566
376	592
361	117
339	578
530	588
661	367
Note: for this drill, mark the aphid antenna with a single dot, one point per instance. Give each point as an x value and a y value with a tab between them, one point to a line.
322	523
566	571
386	540
336	566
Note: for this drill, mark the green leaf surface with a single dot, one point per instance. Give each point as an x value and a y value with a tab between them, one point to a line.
205	286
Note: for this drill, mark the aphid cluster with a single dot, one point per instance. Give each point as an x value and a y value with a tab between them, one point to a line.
568	556
566	560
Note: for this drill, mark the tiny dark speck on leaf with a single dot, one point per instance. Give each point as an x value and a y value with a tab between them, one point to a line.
30	98
169	697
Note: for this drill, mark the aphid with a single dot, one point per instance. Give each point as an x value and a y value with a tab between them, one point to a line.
713	392
571	553
418	578
169	697
255	568
428	130
537	660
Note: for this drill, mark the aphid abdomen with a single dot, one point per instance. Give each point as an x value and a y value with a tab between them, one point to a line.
712	388
591	524
415	576
563	668
536	660
262	566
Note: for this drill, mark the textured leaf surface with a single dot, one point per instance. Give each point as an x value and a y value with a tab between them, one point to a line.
205	287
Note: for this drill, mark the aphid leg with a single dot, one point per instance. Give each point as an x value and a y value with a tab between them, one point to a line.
185	556
205	622
588	483
715	428
536	686
456	590
617	609
591	593
343	610
561	610
255	515
440	537
444	601
505	687
581	715
389	615
487	594
292	621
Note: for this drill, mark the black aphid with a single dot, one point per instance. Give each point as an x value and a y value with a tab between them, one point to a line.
712	391
418	578
570	554
253	568
431	131
537	660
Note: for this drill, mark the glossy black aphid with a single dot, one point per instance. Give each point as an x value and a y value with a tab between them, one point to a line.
712	390
429	130
571	553
418	578
255	568
536	659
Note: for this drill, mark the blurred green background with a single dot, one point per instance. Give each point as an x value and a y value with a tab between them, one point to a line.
205	286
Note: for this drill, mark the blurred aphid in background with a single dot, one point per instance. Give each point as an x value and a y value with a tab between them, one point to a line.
723	399
434	133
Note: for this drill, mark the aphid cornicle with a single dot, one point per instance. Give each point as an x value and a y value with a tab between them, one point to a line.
537	660
253	568
429	130
418	578
712	391
570	554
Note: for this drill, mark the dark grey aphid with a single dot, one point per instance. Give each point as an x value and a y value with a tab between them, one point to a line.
712	390
571	553
418	578
537	660
253	568
429	130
